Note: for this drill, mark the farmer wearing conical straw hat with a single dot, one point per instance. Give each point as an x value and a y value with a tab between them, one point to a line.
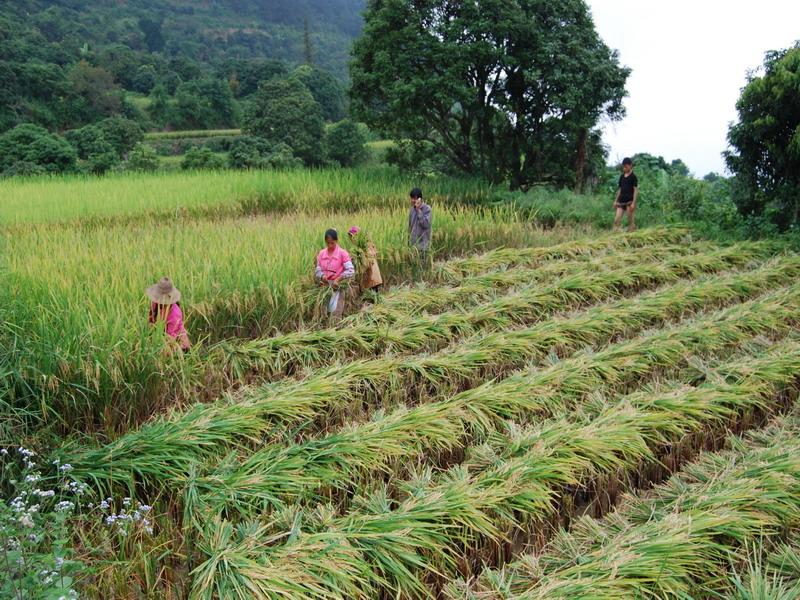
165	307
367	260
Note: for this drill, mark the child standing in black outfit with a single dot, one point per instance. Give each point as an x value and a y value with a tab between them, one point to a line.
627	194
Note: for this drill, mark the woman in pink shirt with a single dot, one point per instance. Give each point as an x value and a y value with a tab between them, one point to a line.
165	306
333	266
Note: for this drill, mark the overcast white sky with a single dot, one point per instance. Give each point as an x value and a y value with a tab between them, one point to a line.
690	59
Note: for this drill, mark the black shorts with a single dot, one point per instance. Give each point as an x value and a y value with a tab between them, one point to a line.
624	205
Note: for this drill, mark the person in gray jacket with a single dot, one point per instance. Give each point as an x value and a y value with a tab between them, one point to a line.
419	224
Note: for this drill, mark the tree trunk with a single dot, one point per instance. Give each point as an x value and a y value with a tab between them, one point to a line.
580	161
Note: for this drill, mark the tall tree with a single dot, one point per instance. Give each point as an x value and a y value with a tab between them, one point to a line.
765	154
326	90
284	111
308	51
492	85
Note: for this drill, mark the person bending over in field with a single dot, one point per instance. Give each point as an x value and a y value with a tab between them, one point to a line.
419	224
334	265
627	194
366	259
165	307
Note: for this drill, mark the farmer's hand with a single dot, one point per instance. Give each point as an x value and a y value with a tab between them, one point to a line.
335	285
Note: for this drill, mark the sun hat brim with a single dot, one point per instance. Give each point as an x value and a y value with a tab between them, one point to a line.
160	297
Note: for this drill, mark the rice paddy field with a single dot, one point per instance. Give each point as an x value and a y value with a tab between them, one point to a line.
539	413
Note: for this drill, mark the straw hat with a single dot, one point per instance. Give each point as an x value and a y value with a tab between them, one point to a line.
163	292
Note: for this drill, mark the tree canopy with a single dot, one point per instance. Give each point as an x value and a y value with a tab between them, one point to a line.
70	63
494	86
765	143
284	111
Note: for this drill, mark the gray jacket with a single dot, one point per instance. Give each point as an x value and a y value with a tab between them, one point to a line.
419	227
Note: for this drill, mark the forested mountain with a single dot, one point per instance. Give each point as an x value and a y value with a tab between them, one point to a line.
65	63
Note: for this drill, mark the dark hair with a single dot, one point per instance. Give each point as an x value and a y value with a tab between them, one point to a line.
332	233
416	193
627	161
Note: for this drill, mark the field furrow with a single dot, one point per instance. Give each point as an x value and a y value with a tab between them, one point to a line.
484	286
674	541
164	451
395	545
458	269
304	349
283	472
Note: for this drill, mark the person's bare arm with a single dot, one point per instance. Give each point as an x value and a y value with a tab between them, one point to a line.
635	196
616	198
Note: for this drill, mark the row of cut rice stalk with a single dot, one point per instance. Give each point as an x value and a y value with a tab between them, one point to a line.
674	543
163	451
771	572
426	297
303	349
395	546
458	269
284	471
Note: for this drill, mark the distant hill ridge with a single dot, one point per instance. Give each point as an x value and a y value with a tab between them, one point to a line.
241	28
66	63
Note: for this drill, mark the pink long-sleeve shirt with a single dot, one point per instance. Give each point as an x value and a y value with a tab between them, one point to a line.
334	265
174	321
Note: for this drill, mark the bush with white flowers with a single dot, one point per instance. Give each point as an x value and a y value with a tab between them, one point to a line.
37	560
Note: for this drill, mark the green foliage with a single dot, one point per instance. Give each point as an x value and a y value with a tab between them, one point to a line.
64	64
122	134
36	558
326	89
245	75
93	95
145	79
160	110
142	158
495	87
765	155
23	168
205	104
96	153
247	152
28	145
284	111
345	143
416	157
201	158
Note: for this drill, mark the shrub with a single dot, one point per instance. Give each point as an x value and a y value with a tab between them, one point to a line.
122	134
249	152
285	111
202	158
35	145
345	143
141	158
24	168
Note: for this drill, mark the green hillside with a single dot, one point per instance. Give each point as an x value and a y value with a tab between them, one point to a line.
59	59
